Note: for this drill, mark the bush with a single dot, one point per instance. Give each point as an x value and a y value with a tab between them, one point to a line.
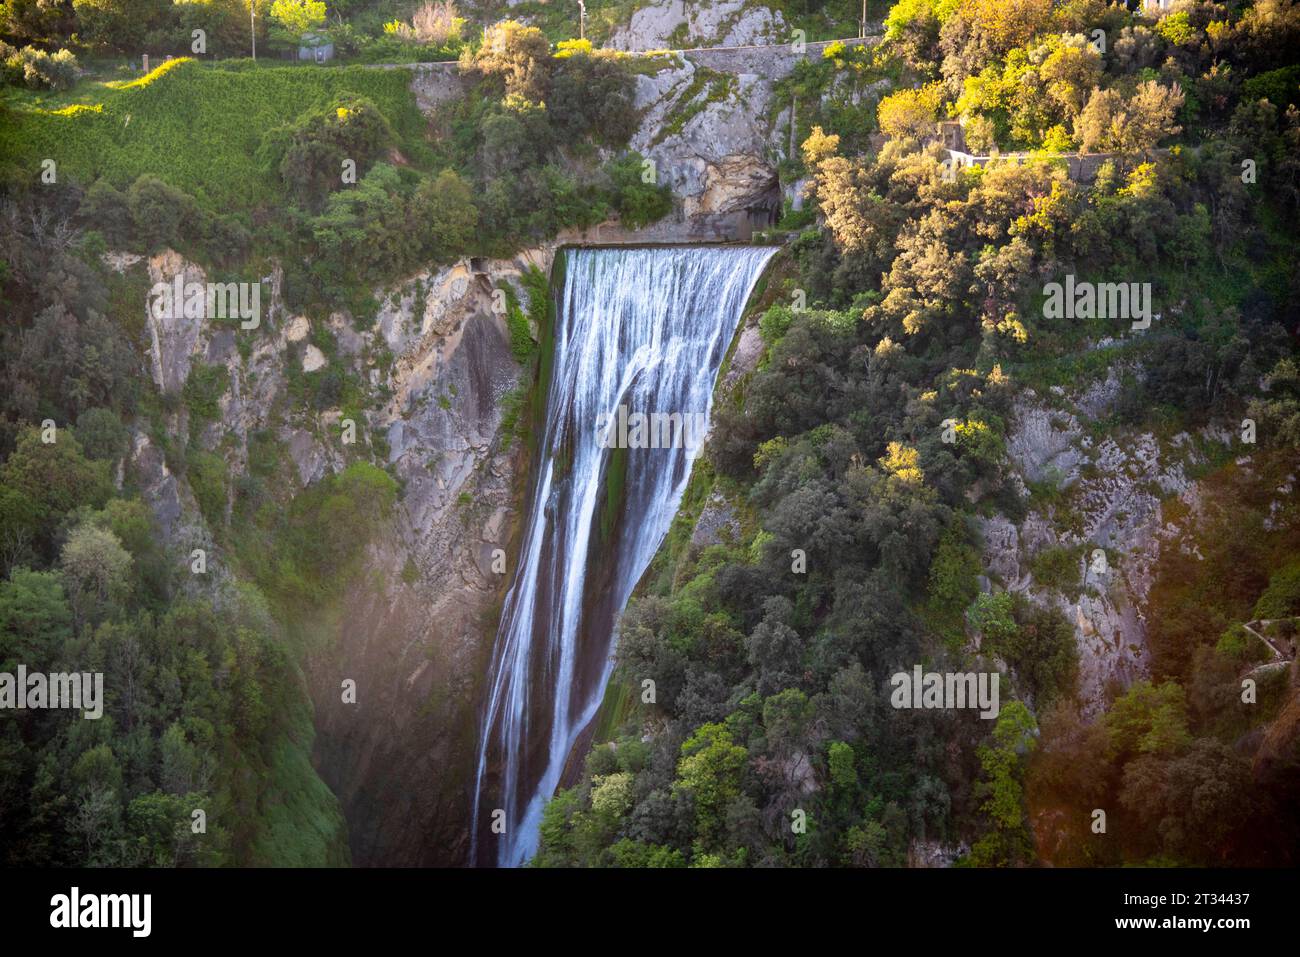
1239	645
207	476
638	203
517	55
309	154
204	387
521	343
1279	87
106	208
437	23
10	65
102	434
366	232
593	97
123	25
36	68
775	323
1282	597
445	210
160	213
910	114
1057	568
953	584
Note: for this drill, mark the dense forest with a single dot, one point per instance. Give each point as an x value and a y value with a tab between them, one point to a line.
903	336
771	739
206	708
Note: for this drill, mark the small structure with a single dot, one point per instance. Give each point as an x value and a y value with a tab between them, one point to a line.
316	47
952	136
1156	6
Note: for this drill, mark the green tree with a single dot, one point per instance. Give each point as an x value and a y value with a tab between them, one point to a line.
298	16
1133	124
35	619
1001	772
55	476
1148	719
638	203
710	771
96	568
120	25
517	55
311	154
444	208
102	434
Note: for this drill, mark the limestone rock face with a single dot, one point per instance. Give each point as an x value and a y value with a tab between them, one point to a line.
1108	508
174	339
418	621
717	523
708	138
419	625
666	24
935	854
313	359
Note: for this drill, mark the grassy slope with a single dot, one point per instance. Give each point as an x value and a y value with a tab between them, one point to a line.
196	126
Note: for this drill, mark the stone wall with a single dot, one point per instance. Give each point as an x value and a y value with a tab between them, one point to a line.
1082	167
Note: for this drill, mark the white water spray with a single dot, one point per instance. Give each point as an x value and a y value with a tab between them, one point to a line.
643	327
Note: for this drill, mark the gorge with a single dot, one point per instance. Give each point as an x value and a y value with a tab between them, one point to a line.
402	544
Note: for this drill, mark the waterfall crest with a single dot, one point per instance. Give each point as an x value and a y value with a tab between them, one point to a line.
645	329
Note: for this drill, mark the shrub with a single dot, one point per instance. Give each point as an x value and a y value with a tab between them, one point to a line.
567	48
1282	597
10	64
57	477
910	114
1057	568
160	213
203	390
519	56
444	209
102	434
298	16
309	154
775	323
107	209
123	25
1239	645
592	97
1279	87
953	584
366	232
521	343
437	22
638	203
207	476
36	68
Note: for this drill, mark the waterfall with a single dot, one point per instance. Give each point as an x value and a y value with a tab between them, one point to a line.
640	330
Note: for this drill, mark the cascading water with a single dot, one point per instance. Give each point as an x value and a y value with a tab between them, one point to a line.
642	328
